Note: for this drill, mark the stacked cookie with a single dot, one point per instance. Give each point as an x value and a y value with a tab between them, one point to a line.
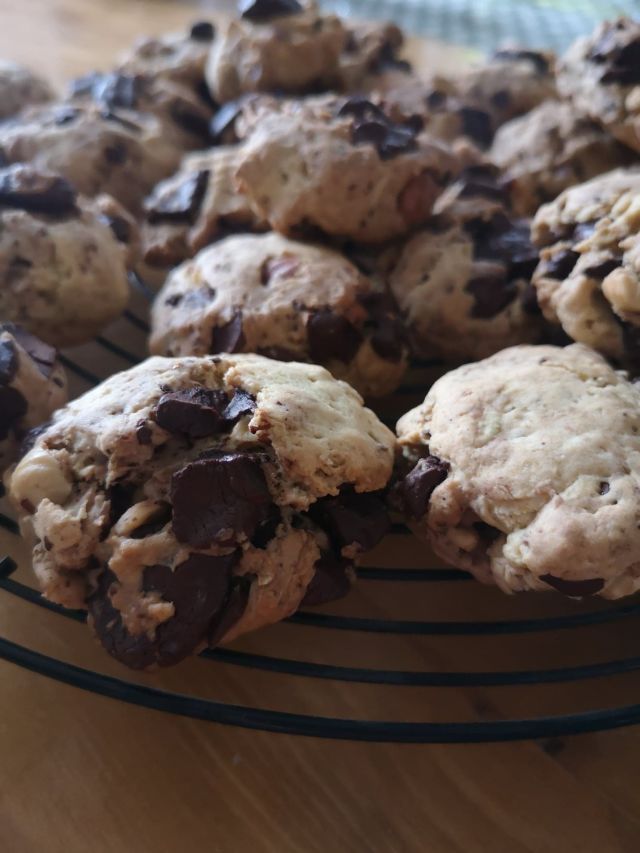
311	215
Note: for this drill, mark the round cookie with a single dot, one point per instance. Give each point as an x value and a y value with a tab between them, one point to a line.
187	501
510	83
183	115
601	74
341	167
181	57
289	300
524	469
588	279
276	45
33	385
121	152
20	88
62	266
463	284
549	149
194	207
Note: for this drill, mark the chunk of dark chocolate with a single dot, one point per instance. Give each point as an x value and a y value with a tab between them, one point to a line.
259	11
228	337
330	581
179	203
417	487
578	588
332	336
352	518
25	188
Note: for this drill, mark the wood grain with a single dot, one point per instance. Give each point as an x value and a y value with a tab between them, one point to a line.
79	772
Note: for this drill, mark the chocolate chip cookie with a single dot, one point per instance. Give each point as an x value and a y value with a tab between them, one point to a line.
523	470
33	385
549	149
588	276
276	45
20	88
463	284
183	115
194	207
175	56
120	152
601	73
510	83
342	167
288	300
62	264
187	501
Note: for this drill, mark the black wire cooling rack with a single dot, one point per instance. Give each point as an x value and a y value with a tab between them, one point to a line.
595	630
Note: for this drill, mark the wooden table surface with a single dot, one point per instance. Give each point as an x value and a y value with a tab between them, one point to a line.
79	772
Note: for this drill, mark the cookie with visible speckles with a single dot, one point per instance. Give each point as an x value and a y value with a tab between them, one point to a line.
289	300
187	501
525	470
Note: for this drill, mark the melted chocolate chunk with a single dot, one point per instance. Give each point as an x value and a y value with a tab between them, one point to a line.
195	412
602	270
8	361
23	188
202	31
220	497
241	404
538	60
387	333
481	181
121	498
491	294
199	590
178	203
352	518
43	355
143	433
477	125
604	488
282	267
417	487
266	10
267	529
332	336
619	56
372	125
119	226
362	109
559	266
329	582
118	91
590	586
506	240
228	337
13	406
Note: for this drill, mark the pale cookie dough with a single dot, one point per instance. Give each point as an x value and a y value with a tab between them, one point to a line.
525	470
370	53
341	167
588	279
463	285
197	205
510	83
276	45
601	74
187	501
549	149
20	88
174	56
288	300
119	152
184	116
62	265
33	385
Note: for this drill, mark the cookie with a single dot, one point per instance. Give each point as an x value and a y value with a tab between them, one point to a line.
549	149
588	276
183	115
33	385
197	205
62	266
601	73
463	284
523	470
288	300
276	45
119	152
180	57
342	167
510	83
20	88
187	501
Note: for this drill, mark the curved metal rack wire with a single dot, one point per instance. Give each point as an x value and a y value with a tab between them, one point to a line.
547	726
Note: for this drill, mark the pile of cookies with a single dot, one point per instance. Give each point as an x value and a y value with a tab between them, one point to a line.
311	215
